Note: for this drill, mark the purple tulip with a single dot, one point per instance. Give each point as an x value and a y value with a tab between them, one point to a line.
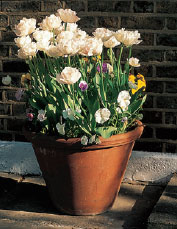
19	93
104	68
83	85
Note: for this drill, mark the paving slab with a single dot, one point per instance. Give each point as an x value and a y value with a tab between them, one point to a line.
25	203
164	214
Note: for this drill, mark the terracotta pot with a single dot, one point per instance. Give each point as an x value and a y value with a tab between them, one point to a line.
84	180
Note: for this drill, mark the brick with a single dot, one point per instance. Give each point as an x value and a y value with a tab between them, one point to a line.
100	6
152	117
148	146
172	23
167	102
15	19
4	109
1	124
166	7
108	22
145	70
148	131
87	22
50	6
8	36
76	5
149	102
171	55
143	7
3	21
149	55
166	133
171	87
19	110
170	118
6	137
122	6
20	137
4	50
15	66
171	148
11	95
20	6
14	125
134	22
167	40
164	71
154	86
147	39
14	50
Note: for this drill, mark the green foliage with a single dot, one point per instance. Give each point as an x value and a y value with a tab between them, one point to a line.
47	94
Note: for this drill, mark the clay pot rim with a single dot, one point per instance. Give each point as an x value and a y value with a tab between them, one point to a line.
73	143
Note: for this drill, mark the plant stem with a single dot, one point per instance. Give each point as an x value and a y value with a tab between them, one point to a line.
118	66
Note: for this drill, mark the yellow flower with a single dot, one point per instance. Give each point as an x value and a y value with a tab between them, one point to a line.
131	78
97	58
25	77
85	59
139	81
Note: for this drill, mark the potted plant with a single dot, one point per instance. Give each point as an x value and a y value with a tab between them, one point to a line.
84	108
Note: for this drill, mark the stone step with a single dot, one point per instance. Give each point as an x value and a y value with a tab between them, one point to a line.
164	214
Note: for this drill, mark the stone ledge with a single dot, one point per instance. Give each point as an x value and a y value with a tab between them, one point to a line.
19	158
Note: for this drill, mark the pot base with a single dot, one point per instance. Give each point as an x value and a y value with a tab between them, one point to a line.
84	180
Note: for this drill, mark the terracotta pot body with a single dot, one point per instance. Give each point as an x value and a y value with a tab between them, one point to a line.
84	180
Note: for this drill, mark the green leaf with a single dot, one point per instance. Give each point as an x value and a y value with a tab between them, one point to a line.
105	132
136	105
51	113
34	104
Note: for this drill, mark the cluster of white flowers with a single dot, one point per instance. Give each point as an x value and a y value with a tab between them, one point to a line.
58	35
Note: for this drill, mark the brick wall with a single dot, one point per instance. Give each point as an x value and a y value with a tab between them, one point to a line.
156	20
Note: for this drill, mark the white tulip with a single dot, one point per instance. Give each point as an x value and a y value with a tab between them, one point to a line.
134	62
111	42
68	15
22	41
69	75
25	27
128	38
27	51
42	35
103	34
50	23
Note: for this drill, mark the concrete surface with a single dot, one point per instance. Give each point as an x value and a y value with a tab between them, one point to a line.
19	158
24	203
164	214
